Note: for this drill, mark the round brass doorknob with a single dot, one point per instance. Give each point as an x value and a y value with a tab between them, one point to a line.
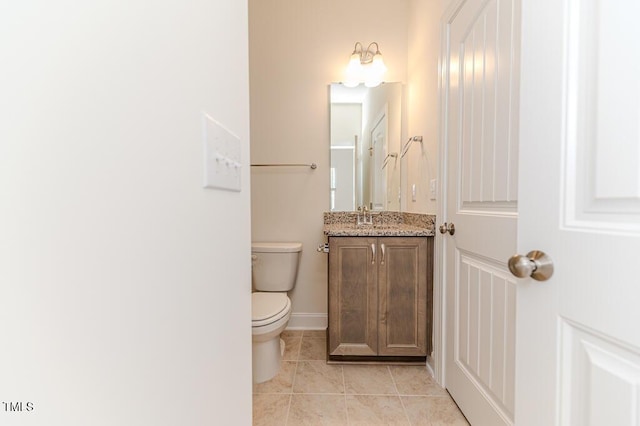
448	227
536	264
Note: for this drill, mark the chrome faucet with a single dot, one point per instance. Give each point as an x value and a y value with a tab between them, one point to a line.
364	220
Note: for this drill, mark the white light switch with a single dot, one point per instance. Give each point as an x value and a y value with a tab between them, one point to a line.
432	188
413	192
222	163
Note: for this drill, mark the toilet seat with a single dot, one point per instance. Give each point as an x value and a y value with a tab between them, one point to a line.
267	308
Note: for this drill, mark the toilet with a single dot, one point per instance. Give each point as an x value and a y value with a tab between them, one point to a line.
274	272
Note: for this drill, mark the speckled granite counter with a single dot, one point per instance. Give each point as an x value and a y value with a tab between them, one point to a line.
389	224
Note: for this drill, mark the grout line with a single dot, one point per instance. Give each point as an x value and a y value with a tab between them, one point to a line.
293	383
344	388
404	409
395	385
361	394
317	393
299	349
286	418
393	379
352	394
295	374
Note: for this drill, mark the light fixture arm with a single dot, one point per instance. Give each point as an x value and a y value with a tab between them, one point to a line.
366	56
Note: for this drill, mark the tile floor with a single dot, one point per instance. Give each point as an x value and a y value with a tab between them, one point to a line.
308	391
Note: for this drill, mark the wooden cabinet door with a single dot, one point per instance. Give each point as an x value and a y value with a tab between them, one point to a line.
402	293
353	301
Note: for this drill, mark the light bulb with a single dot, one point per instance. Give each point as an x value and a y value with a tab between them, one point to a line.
378	64
353	73
376	71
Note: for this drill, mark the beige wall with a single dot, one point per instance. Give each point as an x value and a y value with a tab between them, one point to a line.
296	49
125	285
421	162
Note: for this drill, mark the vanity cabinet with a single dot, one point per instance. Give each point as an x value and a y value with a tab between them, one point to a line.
380	297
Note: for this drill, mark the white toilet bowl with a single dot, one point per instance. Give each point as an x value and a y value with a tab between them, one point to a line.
270	314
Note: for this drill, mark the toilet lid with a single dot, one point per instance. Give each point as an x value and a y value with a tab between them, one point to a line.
268	307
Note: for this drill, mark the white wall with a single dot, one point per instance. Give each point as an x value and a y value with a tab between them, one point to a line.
124	285
346	123
297	48
346	127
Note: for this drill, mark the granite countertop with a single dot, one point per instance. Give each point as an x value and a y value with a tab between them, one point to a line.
389	224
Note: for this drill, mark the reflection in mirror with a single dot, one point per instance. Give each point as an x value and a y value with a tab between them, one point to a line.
366	135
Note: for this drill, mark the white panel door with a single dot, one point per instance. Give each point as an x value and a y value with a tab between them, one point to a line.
480	89
578	345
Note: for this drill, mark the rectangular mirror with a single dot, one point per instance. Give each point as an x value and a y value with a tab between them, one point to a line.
366	136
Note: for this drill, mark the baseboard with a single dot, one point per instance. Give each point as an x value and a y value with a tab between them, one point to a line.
430	367
304	321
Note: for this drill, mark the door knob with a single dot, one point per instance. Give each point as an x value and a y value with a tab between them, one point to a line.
447	227
536	264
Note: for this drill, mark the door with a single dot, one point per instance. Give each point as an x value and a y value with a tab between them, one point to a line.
402	294
353	296
480	124
578	347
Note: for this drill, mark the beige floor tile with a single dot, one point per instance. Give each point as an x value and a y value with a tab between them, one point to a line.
270	409
433	411
291	348
415	380
318	395
318	377
315	333
281	383
368	380
313	349
368	410
317	410
291	333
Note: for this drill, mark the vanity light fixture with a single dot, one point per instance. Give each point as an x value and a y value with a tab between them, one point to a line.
365	66
407	145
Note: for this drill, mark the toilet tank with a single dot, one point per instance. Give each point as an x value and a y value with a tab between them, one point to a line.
275	265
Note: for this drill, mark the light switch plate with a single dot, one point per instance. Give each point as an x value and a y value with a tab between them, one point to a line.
222	159
433	188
